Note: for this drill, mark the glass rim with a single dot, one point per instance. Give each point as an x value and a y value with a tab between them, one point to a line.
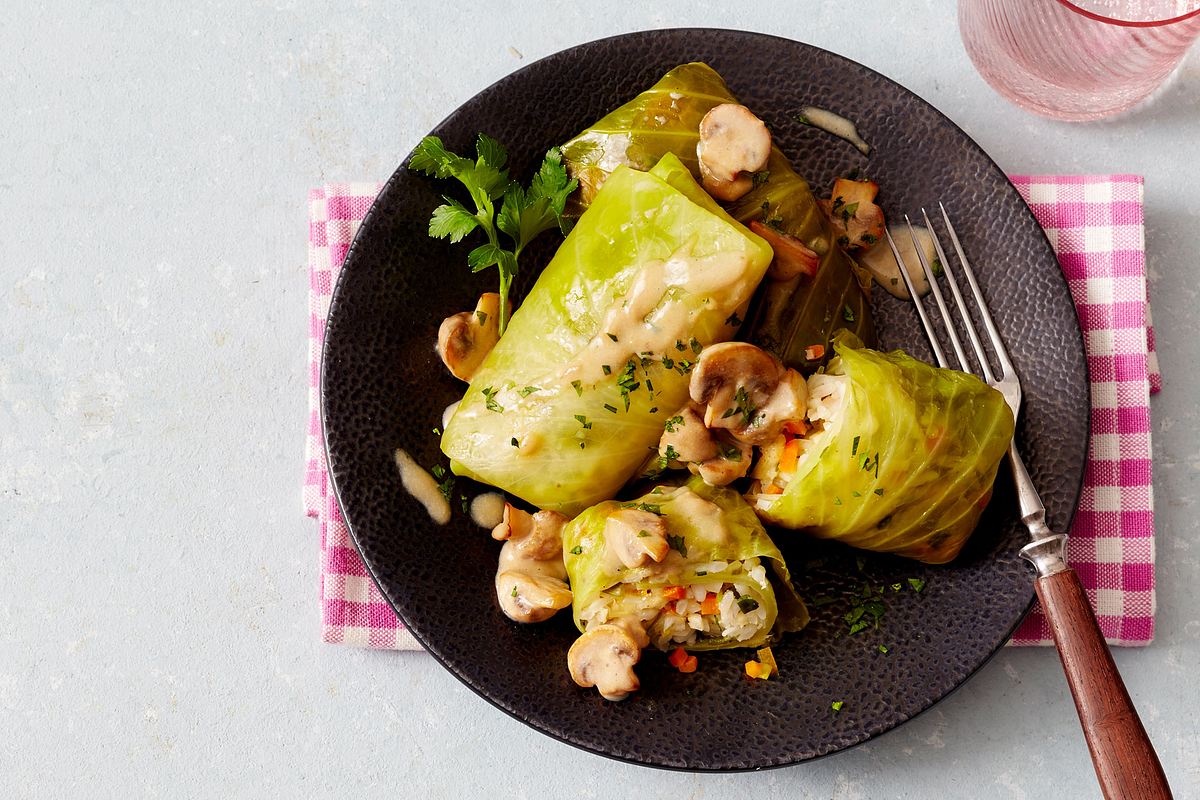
1151	23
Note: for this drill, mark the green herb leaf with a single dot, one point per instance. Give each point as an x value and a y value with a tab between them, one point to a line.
836	705
746	604
490	152
759	178
452	220
490	400
854	446
578	387
643	534
847	314
583	420
733	320
676	543
611	336
883	648
879	492
607	369
576	550
610	408
672	424
917	584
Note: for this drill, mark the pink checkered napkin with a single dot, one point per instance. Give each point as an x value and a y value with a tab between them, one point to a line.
352	609
1095	224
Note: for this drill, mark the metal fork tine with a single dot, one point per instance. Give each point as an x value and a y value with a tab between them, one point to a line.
963	364
929	333
963	314
984	314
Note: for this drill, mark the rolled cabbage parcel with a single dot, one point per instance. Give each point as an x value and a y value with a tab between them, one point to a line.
796	315
895	456
690	566
571	401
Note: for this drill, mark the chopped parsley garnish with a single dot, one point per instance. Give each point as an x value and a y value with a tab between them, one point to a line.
680	346
879	492
847	314
733	320
743	405
607	369
671	454
856	494
582	445
482	317
917	584
936	267
883	648
730	452
513	442
437	431
695	345
514	591
700	573
492	405
676	543
643	534
610	408
848	211
626	382
897	587
854	446
612	336
576	550
868	239
438	471
837	501
672	423
651	507
746	604
578	387
668	362
654	410
583	420
803	120
836	705
462	498
528	390
759	178
683	366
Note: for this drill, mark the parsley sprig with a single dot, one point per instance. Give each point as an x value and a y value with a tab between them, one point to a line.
521	215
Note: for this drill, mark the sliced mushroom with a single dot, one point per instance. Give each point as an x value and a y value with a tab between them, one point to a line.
733	380
792	256
881	262
635	536
731	463
687	439
533	536
531	598
853	212
604	657
732	142
465	339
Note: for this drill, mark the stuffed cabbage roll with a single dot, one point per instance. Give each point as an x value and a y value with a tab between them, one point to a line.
688	566
570	402
794	317
895	456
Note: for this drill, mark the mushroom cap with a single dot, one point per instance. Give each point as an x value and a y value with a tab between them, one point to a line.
725	191
634	536
534	536
604	657
465	339
530	598
732	140
725	469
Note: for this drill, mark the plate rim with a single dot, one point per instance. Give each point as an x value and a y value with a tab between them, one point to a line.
335	304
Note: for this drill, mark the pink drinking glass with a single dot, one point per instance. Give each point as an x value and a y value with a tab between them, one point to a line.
1079	59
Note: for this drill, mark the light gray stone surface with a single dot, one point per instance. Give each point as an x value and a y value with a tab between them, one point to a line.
158	608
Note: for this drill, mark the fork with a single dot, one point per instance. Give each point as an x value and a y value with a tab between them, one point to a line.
1125	761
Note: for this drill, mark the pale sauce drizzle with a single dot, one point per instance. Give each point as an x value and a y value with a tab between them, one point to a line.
448	413
838	125
487	510
421	485
647	321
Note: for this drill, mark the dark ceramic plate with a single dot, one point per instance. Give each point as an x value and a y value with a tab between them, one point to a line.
383	388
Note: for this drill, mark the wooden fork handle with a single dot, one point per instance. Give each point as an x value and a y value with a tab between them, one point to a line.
1125	761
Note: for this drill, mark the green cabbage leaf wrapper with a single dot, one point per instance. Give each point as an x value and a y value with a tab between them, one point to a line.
789	316
540	419
908	464
734	534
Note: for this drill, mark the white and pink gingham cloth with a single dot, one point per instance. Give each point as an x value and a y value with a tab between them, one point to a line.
1095	224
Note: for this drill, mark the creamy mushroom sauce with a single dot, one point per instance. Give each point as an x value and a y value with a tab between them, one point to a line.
642	323
881	262
836	124
422	486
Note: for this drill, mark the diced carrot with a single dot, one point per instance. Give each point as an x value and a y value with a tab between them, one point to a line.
814	352
710	604
753	669
795	427
690	664
768	659
674	593
771	488
791	455
677	658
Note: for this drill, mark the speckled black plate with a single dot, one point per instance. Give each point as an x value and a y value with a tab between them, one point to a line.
383	388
